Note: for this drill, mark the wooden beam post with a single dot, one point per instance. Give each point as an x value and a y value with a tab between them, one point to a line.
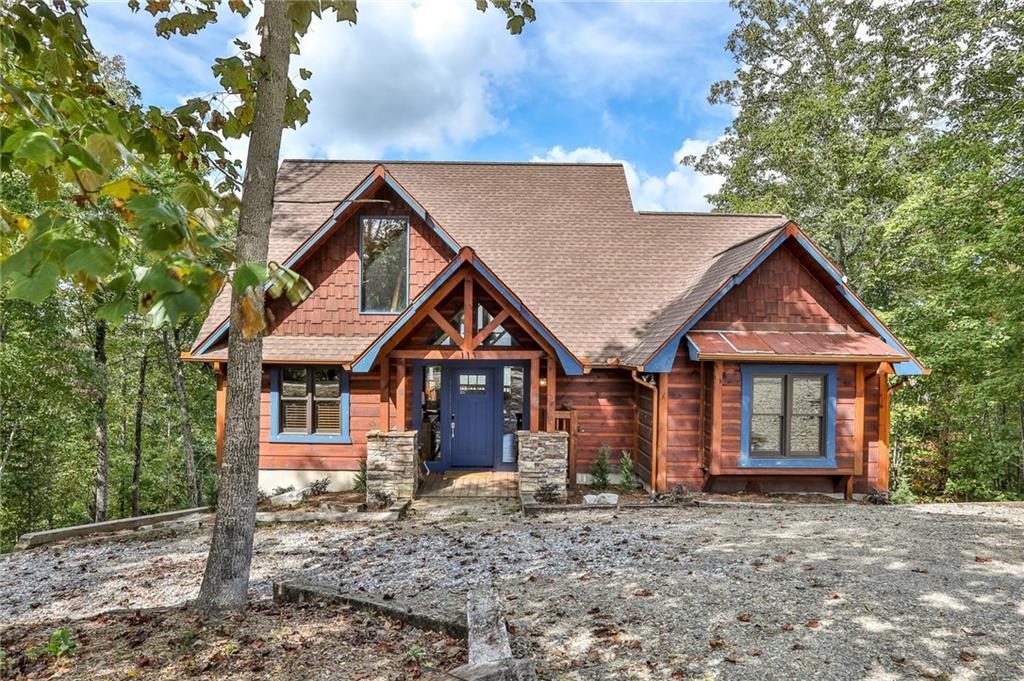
222	408
662	425
400	401
468	316
385	396
716	419
552	371
534	394
883	431
858	422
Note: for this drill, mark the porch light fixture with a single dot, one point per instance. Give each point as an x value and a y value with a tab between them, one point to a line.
543	382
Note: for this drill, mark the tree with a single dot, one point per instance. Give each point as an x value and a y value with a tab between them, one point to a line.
66	127
176	367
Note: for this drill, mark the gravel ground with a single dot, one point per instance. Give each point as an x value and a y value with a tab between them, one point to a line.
727	592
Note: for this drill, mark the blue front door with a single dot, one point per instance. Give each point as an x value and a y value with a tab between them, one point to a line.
472	416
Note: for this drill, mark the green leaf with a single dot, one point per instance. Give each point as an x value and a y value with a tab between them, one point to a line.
159	280
106	149
249	275
36	146
37	287
191	195
150	208
170	307
92	260
115	310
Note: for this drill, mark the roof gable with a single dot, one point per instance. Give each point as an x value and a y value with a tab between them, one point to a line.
438	289
731	271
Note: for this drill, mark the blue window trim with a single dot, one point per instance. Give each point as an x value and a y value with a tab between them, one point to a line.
408	262
344	438
827	461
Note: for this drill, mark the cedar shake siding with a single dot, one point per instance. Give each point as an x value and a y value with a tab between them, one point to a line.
332	309
780	295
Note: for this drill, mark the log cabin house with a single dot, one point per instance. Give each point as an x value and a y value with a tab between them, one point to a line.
468	302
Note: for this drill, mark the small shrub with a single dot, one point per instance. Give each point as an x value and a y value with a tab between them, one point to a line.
378	501
548	493
680	494
317	488
627	478
903	494
61	643
599	469
361	477
416	652
282	490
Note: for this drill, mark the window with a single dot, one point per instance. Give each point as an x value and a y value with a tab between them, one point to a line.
788	416
384	261
472	384
500	337
310	404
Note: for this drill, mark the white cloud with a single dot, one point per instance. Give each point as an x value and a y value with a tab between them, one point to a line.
412	78
680	189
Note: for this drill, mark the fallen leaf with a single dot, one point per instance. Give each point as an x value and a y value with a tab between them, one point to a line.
642	593
983	559
744	617
797	646
787	627
716	643
813	624
834	596
922	571
968	656
779	559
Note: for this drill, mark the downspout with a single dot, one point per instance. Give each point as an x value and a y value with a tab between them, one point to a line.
654	429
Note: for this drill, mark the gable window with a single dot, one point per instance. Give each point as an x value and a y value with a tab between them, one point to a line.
309	404
384	264
788	416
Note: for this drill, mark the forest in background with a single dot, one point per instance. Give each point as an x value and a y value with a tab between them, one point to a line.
892	133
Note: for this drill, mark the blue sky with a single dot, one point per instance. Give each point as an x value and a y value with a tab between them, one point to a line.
436	79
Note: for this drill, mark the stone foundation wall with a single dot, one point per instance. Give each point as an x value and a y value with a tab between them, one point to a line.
543	459
391	463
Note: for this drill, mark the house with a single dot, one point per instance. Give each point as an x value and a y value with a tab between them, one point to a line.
472	304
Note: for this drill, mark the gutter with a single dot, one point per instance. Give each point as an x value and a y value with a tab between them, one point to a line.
654	428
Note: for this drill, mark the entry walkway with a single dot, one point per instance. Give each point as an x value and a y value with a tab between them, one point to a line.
492	484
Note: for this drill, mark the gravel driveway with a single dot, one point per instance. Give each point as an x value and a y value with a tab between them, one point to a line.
725	592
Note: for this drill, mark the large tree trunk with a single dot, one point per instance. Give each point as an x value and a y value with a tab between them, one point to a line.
100	499
139	400
177	369
226	579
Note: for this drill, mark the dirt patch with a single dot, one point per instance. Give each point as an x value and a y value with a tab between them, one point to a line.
313	641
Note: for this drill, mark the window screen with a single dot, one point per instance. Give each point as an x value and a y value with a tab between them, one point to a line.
787	414
310	400
384	254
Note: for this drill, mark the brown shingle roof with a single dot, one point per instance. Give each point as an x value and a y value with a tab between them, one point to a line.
609	282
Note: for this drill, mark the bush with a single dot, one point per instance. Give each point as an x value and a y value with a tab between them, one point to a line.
61	643
903	494
361	477
318	488
599	469
282	490
627	479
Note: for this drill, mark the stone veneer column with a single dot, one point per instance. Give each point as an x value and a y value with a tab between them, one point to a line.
543	459
391	463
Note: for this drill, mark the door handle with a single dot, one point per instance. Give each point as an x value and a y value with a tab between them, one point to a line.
453	426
